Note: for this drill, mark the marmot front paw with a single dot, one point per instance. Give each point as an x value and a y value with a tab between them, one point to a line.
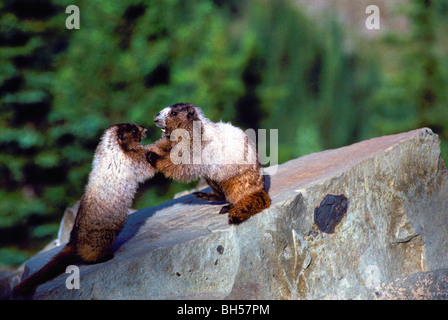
152	158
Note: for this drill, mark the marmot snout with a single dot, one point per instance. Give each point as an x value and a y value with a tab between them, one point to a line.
178	116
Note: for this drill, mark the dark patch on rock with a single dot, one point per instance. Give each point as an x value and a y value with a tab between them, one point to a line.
330	212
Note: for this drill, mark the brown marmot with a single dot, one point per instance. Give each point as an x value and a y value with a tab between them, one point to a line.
193	146
119	165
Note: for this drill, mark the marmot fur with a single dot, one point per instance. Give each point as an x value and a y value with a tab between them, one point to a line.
219	152
119	165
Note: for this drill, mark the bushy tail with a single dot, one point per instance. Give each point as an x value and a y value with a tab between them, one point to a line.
54	267
249	206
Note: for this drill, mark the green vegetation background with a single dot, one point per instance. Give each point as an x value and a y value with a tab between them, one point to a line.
259	64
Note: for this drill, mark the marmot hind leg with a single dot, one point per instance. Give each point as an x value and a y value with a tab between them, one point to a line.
209	196
249	206
216	195
96	248
226	208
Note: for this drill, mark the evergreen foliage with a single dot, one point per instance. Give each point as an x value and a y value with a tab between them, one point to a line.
258	63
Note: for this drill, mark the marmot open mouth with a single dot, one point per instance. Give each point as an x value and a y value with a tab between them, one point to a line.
163	129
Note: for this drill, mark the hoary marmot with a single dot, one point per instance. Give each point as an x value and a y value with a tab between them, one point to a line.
119	165
220	153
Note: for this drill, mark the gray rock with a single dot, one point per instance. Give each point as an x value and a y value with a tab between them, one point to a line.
395	225
8	279
431	285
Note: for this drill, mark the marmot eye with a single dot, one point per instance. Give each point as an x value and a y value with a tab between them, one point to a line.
173	113
134	131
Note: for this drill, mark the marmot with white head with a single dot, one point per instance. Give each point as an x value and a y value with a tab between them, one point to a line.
220	153
119	165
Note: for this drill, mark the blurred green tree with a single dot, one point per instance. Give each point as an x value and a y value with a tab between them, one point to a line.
32	169
414	84
61	88
257	63
308	85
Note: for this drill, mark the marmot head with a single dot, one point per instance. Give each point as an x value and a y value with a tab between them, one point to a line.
129	135
179	115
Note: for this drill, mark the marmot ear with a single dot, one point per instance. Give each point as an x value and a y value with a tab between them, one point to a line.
190	112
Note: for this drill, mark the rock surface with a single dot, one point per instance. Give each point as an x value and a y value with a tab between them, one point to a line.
431	285
393	233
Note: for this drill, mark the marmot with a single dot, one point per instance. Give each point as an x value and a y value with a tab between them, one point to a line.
119	165
224	156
